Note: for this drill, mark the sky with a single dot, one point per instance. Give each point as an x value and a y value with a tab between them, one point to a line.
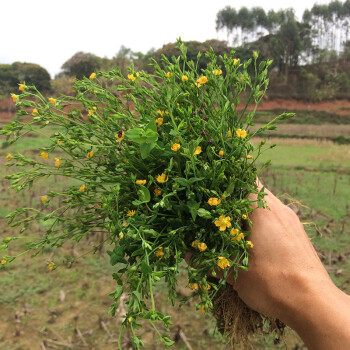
49	32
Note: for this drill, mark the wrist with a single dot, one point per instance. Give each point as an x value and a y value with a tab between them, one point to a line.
319	314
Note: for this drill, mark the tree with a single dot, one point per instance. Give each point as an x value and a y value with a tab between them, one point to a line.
193	47
32	74
81	64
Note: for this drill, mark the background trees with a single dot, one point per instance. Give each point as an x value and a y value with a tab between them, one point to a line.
81	64
12	74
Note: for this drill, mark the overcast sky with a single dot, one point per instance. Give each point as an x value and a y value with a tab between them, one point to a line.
48	32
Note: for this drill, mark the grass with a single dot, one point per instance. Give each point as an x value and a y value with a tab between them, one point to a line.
39	306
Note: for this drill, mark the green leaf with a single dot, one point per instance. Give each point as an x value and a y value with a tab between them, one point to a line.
193	206
117	293
174	133
138	252
135	135
117	278
204	213
137	295
144	194
152	126
146	148
181	181
195	179
145	268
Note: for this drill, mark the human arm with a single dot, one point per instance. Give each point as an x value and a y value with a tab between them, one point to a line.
287	280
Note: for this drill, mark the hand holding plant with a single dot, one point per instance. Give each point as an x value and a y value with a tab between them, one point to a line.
164	167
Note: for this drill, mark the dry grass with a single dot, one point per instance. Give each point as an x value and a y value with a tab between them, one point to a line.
310	130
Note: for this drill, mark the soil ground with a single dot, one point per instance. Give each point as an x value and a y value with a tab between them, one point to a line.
341	107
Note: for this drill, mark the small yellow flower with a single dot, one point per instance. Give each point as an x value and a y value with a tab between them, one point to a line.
184	78
193	286
236	236
22	87
217	71
161	113
198	85
92	75
35	112
57	162
195	243
141	182
3	261
90	112
131	77
90	155
14	97
137	74
198	150
162	178
202	309
249	156
43	199
223	262
119	136
223	222
244	217
44	155
255	54
157	192
159	121
159	253
9	157
202	246
121	235
52	101
207	287
236	61
169	74
234	231
221	153
241	133
202	80
214	201
131	213
59	142
249	244
175	147
50	265
223	196
82	188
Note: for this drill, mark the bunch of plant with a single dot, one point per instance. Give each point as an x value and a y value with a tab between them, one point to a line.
164	168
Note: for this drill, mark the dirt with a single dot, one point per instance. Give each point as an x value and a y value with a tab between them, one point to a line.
341	107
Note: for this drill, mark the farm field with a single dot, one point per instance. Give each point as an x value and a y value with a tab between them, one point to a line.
67	308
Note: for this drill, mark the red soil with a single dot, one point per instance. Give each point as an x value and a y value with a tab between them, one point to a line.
340	107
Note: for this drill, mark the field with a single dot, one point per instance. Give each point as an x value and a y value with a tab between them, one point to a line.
67	308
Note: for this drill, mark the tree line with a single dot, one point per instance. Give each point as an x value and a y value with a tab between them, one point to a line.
323	29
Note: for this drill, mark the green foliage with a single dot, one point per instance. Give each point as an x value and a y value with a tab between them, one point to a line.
165	169
81	64
32	74
193	49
